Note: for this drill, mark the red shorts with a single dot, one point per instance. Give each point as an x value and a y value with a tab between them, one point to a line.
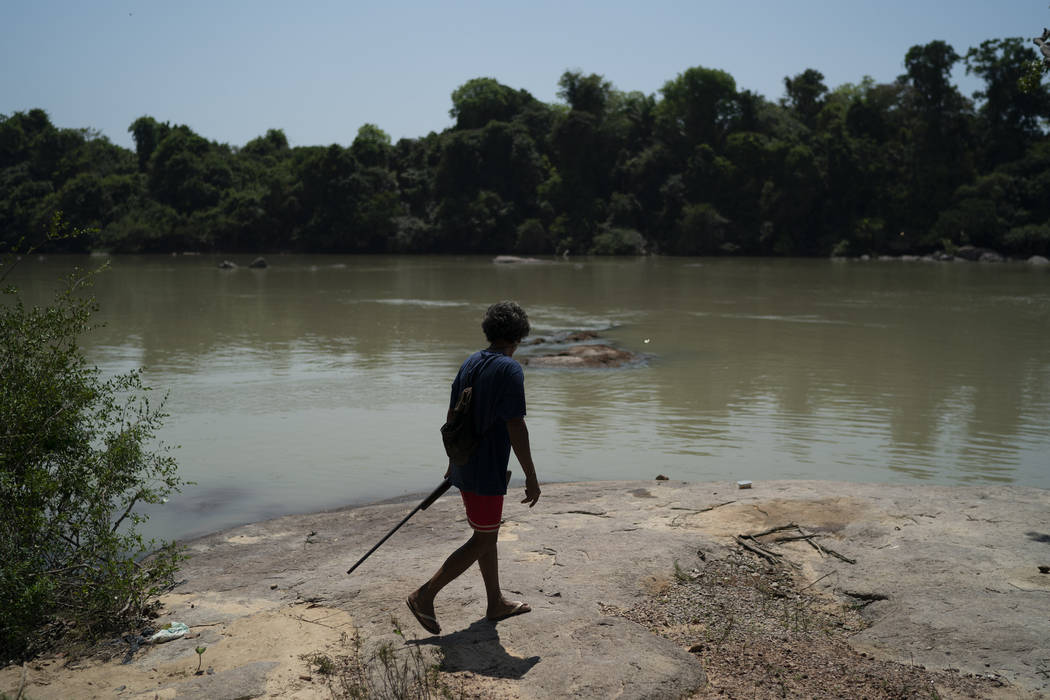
484	513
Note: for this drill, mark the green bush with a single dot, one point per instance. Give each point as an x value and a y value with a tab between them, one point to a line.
532	237
700	230
1031	239
75	463
618	241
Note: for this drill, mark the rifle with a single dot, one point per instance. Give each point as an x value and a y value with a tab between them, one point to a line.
436	494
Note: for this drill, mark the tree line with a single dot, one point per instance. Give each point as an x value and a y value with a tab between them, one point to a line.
701	168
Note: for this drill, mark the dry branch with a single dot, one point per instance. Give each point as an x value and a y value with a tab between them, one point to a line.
755	548
780	528
803	535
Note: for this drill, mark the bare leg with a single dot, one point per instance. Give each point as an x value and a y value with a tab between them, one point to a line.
480	544
498	606
489	565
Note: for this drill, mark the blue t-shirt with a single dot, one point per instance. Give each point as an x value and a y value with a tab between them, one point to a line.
498	396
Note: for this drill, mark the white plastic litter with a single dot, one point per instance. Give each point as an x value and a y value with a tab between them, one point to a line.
743	484
172	631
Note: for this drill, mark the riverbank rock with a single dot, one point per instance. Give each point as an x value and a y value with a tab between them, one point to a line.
975	254
945	577
1038	260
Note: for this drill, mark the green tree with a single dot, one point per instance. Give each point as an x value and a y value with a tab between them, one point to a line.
805	95
147	133
76	464
273	145
929	69
371	146
697	107
187	173
589	93
480	100
1010	118
938	155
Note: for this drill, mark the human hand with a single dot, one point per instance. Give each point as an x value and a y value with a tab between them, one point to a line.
532	492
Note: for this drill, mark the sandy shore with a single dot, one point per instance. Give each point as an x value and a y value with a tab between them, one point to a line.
943	577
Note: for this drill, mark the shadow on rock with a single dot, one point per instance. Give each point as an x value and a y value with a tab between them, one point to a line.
477	649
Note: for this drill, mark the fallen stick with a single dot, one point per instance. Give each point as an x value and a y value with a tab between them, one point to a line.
794	538
835	554
779	528
828	550
717	505
788	538
675	519
817	581
756	549
598	514
807	538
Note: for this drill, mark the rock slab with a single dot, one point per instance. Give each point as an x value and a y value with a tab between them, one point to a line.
949	577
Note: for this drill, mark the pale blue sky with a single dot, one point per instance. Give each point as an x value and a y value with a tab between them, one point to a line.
231	70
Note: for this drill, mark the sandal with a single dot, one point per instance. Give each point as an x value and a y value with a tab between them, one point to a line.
520	608
427	622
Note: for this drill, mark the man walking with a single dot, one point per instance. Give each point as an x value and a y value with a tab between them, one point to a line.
498	404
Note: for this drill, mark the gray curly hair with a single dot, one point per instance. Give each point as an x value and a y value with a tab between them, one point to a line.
506	321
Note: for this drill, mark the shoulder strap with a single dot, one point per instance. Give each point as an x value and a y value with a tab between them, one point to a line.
478	367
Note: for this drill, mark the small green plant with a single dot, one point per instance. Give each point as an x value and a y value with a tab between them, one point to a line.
200	658
679	574
730	620
388	670
841	249
321	663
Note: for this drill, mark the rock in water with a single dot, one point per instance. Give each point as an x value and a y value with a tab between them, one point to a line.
515	260
259	263
583	356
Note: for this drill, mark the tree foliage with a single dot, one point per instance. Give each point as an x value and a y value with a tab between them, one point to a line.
700	167
76	465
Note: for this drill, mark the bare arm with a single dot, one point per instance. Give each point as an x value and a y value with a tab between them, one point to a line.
519	441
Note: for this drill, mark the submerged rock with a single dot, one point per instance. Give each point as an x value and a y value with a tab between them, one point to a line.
516	260
570	337
590	355
578	350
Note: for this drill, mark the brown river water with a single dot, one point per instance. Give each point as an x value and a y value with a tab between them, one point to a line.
321	381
